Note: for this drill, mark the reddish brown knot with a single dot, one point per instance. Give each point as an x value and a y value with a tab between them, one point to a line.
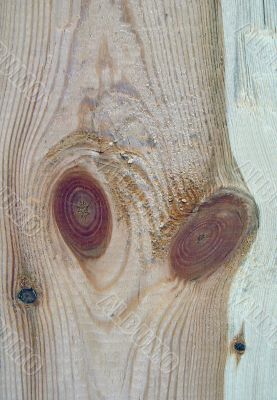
212	234
82	213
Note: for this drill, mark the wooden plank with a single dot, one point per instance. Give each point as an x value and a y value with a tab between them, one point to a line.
251	59
113	121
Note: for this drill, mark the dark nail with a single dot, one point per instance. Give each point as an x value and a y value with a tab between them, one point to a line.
27	295
240	347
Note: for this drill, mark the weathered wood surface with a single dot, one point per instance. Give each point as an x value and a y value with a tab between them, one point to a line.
131	94
251	65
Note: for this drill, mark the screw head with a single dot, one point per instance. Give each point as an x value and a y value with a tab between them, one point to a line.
27	295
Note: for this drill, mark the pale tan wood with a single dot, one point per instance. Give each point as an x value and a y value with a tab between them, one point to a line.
133	92
251	60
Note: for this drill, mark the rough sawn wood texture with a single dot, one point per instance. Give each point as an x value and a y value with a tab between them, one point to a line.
131	101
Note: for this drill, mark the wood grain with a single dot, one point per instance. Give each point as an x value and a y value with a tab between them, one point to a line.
250	37
132	93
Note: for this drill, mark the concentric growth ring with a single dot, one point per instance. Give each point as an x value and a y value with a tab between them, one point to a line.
210	236
82	214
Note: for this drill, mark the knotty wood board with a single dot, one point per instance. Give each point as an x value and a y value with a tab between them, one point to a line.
134	92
